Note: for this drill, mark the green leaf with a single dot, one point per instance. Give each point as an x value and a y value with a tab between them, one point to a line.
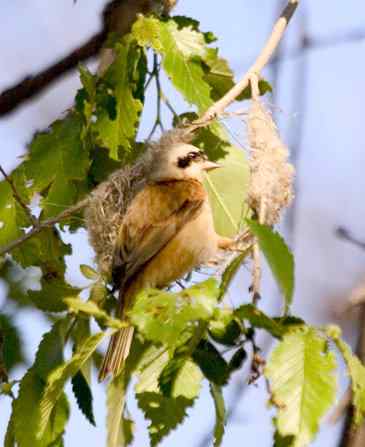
9	440
57	165
224	327
230	272
356	371
58	378
52	294
50	350
283	441
163	316
75	305
237	360
227	188
181	51
88	272
26	414
220	414
258	319
180	377
83	395
118	129
163	413
115	405
278	256
11	349
302	383
211	363
13	218
149	369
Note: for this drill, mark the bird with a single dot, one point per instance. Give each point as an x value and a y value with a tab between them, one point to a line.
166	232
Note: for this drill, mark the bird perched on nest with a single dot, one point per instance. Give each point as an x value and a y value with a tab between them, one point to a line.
167	231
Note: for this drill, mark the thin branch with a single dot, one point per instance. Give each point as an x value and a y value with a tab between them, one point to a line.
262	60
31	86
45	224
356	437
17	197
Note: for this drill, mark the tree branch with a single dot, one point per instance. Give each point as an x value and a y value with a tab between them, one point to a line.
262	60
31	86
45	224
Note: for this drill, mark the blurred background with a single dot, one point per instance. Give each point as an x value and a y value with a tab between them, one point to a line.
318	78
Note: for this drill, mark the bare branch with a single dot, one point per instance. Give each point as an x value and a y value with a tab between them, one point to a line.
262	60
18	198
31	86
45	224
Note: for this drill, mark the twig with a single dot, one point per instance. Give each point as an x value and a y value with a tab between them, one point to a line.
17	197
31	86
262	60
345	234
356	437
43	225
155	74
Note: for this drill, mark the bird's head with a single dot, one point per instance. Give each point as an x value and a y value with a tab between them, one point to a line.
182	161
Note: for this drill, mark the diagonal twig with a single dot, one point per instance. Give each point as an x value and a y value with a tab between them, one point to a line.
43	225
17	197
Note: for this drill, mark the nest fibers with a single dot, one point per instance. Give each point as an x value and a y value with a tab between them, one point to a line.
109	201
271	184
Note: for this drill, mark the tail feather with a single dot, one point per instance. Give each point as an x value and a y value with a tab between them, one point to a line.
118	350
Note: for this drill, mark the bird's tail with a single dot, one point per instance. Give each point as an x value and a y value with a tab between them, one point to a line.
118	350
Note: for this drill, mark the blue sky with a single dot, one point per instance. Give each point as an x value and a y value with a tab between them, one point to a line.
330	182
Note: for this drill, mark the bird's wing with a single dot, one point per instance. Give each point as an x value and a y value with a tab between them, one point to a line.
153	218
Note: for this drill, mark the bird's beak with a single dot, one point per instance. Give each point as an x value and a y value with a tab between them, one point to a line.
210	165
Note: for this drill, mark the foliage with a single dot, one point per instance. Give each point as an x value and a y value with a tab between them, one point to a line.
183	338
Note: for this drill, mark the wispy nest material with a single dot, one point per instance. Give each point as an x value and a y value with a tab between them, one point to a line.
109	201
272	175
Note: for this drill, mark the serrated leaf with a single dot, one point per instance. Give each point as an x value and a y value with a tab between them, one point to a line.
278	256
230	272
356	371
259	319
119	130
50	350
83	395
79	334
163	413
57	165
179	49
180	377
220	414
162	316
150	368
58	378
211	363
300	371
75	305
88	272
26	413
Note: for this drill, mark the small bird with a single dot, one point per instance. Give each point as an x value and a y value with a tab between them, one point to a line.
166	232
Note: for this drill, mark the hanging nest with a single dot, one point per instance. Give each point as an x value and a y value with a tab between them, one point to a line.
271	185
109	201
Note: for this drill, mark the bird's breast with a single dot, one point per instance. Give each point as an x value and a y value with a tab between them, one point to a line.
195	244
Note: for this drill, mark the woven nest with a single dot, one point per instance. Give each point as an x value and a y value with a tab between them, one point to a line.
109	201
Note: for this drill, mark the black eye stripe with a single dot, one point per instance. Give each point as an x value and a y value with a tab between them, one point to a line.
184	162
